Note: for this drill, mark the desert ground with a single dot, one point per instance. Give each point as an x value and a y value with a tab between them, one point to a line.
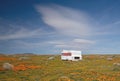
51	68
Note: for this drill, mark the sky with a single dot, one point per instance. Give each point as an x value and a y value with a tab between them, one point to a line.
49	26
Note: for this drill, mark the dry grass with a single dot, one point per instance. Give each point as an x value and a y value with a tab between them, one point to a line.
40	68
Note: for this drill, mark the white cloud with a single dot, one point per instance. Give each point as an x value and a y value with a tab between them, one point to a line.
56	42
72	44
65	20
29	45
84	41
117	22
74	23
68	22
21	33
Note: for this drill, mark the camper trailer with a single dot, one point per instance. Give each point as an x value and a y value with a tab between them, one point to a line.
72	55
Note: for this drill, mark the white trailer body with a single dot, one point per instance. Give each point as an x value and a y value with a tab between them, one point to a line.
72	55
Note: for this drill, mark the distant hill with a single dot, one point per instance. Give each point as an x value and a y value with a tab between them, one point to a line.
1	54
25	54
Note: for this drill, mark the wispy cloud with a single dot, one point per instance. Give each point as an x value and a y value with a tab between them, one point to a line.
21	33
83	41
29	45
72	22
72	44
116	22
75	24
55	44
65	20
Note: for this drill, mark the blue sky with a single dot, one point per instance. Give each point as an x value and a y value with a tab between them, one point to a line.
49	26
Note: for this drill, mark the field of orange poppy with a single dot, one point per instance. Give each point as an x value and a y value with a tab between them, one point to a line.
41	68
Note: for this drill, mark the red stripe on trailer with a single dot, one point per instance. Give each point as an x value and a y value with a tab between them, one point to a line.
66	54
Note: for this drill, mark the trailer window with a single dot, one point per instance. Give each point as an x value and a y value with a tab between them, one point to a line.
77	57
